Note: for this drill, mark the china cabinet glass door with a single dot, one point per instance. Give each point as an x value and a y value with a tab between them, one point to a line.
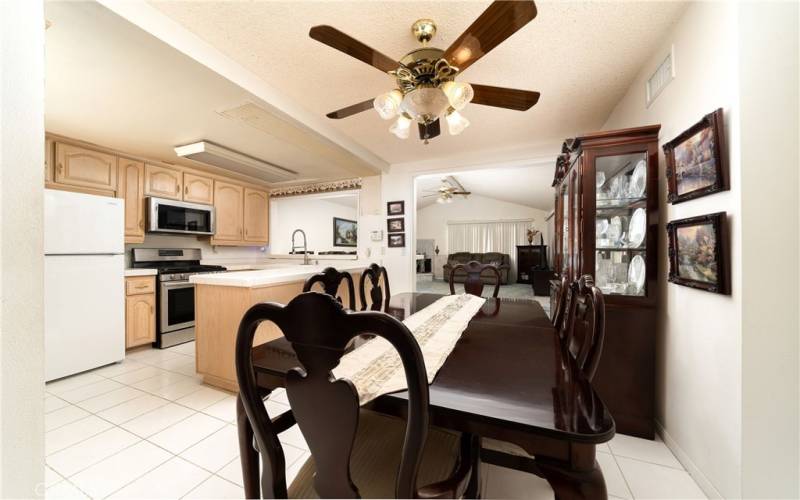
564	244
621	224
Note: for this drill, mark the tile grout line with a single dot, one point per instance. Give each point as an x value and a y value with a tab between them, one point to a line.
621	473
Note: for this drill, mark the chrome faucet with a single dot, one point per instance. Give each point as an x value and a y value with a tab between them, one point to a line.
305	245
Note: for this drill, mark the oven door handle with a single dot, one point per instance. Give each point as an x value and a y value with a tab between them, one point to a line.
177	284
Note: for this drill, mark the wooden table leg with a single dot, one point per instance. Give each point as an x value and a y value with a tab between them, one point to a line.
247	454
579	479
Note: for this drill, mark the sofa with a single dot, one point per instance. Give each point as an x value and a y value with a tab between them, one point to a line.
500	260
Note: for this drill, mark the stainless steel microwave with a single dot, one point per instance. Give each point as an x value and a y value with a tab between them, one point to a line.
171	216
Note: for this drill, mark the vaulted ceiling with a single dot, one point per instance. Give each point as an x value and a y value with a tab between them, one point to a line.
581	56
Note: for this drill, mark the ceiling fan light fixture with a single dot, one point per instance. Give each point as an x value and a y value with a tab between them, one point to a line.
456	123
401	127
387	105
458	94
425	104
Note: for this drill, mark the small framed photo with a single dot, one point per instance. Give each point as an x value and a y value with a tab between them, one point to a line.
697	163
397	240
395	208
345	232
697	255
397	225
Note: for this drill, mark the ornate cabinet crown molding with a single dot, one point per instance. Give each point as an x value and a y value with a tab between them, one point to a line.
320	187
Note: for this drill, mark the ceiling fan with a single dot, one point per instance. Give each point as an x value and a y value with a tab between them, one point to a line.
426	86
448	190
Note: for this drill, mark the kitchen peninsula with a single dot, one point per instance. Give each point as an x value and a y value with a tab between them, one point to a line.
221	299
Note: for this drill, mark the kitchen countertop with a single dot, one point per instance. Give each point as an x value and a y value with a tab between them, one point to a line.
140	272
272	274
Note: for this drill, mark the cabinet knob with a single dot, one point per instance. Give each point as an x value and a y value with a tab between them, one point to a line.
177	189
141	224
186	190
60	167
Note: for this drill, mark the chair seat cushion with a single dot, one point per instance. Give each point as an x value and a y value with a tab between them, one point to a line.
376	458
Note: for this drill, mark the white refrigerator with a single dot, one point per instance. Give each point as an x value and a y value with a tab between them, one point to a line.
84	282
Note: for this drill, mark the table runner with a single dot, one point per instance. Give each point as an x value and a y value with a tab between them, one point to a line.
375	367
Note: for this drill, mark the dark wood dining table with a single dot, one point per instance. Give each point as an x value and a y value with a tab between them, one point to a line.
508	378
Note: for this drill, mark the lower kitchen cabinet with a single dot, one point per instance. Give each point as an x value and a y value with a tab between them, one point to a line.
140	311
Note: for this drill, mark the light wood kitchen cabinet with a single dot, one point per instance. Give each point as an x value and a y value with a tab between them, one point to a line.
131	188
86	169
229	205
163	182
140	311
256	216
48	160
198	189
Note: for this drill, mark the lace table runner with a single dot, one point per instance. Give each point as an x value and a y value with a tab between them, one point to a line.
375	367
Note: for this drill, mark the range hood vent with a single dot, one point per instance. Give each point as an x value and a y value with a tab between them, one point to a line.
222	157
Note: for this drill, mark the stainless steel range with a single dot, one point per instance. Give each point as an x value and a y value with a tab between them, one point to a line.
175	295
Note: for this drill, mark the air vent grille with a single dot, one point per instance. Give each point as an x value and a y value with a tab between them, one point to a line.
664	74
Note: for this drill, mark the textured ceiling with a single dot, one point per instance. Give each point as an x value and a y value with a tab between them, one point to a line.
581	56
528	186
113	84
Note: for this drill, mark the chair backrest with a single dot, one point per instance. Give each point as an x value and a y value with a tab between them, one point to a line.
331	280
327	410
559	312
585	330
379	296
473	284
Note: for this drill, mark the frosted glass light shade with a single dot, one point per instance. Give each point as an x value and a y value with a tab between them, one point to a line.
458	94
401	127
456	123
425	103
387	105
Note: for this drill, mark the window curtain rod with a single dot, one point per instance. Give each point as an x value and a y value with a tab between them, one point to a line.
495	221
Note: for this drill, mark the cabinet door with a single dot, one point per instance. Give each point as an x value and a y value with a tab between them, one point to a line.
162	182
131	185
256	215
84	168
140	320
229	204
48	160
198	189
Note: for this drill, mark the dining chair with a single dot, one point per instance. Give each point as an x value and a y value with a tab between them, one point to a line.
377	275
584	334
558	312
473	284
354	452
331	279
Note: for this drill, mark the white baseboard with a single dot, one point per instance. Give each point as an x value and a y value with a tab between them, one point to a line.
702	481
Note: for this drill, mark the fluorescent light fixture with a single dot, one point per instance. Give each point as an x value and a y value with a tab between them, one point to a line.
222	157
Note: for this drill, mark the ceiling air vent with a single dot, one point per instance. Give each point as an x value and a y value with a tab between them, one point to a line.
222	157
664	74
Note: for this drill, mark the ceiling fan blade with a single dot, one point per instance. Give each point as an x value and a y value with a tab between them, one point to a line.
520	100
429	130
332	37
350	110
461	192
498	22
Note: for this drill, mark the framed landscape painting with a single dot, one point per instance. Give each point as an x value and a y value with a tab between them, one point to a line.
397	240
697	160
396	225
697	255
345	232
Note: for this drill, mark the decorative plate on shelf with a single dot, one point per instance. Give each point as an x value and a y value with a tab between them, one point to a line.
637	229
636	273
638	180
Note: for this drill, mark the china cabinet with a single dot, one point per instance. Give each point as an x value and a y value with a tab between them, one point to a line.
606	206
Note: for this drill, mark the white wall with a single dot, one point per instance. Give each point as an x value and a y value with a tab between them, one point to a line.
432	220
21	251
313	214
700	375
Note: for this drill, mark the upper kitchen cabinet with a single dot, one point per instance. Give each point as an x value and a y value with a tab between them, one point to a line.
85	169
48	160
229	205
163	182
198	189
256	216
131	188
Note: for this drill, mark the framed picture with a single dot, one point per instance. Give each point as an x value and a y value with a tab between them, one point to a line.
345	232
397	225
395	208
397	240
697	160
697	255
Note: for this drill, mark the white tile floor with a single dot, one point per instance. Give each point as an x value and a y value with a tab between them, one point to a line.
149	428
